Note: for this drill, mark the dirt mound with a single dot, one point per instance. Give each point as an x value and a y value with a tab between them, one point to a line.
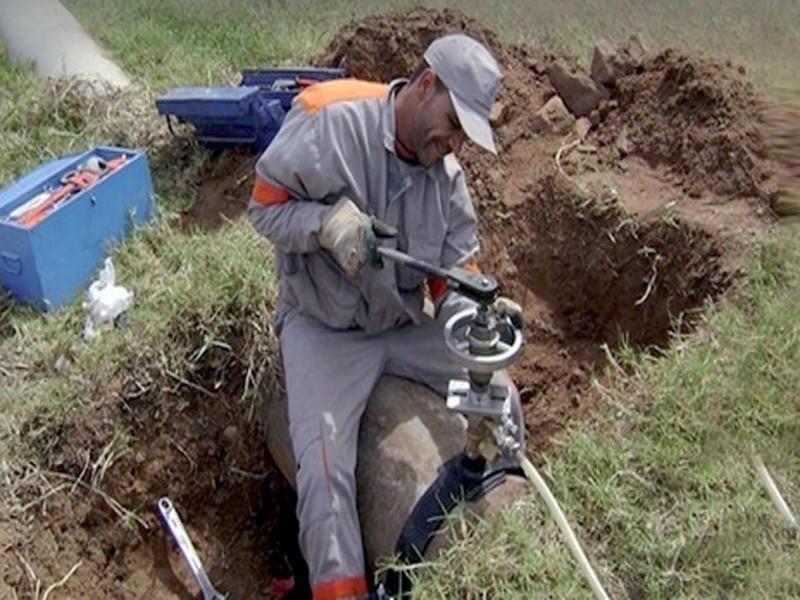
387	46
697	116
383	47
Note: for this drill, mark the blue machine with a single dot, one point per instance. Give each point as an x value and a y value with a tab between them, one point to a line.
50	262
249	114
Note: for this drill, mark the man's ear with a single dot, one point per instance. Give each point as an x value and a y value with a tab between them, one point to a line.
426	82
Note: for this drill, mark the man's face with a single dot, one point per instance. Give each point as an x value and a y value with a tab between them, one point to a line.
437	131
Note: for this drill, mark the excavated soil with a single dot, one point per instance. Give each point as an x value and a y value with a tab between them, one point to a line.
600	246
696	116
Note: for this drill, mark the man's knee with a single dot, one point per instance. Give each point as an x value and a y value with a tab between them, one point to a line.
325	464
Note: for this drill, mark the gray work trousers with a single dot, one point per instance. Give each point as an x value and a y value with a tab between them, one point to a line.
330	375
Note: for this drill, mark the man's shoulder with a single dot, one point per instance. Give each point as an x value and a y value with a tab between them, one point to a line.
322	96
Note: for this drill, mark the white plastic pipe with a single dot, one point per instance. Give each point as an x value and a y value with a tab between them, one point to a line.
558	515
772	490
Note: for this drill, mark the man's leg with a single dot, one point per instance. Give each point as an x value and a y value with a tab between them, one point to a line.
329	376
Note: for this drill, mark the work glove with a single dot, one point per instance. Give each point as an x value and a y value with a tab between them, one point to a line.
349	235
511	314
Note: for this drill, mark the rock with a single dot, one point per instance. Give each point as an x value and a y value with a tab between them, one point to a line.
607	107
230	433
62	364
696	190
536	66
582	127
499	114
580	93
623	143
636	48
604	63
595	117
553	117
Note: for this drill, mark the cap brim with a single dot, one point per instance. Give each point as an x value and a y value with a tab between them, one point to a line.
475	125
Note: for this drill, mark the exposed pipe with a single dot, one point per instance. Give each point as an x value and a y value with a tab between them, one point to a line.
774	493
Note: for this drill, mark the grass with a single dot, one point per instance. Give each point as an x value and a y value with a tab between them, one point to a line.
196	41
660	485
194	294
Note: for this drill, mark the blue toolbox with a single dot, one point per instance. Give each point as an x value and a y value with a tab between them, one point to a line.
58	222
249	114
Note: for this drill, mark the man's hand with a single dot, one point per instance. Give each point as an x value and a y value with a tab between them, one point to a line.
506	308
349	235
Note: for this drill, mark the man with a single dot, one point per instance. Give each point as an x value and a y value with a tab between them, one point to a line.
348	154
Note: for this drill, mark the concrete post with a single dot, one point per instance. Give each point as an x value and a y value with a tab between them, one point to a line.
46	34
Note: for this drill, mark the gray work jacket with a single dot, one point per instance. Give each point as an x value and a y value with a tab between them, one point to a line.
336	141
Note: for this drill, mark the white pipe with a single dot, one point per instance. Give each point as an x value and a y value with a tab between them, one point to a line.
572	540
45	33
773	492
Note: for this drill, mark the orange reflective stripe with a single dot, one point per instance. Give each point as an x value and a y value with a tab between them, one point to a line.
266	193
438	286
341	588
315	97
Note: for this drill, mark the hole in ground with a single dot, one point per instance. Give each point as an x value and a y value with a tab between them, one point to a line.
606	277
588	274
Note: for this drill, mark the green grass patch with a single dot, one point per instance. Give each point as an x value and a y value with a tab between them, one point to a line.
198	41
195	296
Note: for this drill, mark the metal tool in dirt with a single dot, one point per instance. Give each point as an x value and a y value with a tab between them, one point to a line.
484	339
173	525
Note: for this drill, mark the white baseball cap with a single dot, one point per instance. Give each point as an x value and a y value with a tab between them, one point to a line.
471	75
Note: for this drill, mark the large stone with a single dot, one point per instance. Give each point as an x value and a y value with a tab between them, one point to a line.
604	63
580	93
636	48
553	117
623	143
406	434
582	127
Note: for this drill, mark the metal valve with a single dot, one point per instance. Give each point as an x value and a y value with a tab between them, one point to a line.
483	339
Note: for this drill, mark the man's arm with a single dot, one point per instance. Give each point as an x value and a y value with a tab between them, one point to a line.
291	225
295	181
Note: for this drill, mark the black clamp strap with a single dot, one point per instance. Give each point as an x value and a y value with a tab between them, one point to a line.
460	479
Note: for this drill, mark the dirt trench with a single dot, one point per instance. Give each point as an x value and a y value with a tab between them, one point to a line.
600	248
